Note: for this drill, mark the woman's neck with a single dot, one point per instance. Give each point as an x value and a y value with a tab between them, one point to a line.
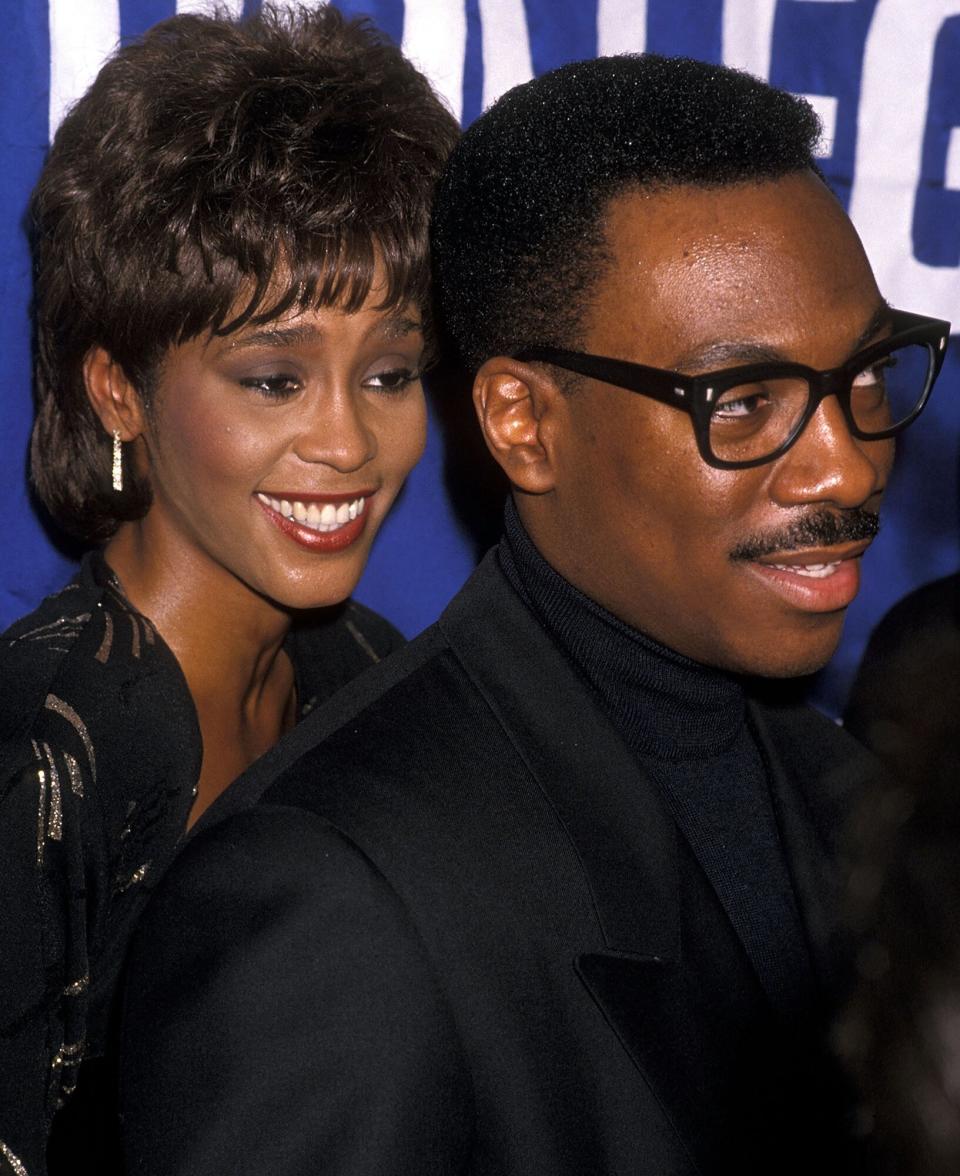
228	640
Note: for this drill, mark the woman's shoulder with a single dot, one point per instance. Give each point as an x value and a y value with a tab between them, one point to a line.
99	756
86	632
330	647
98	732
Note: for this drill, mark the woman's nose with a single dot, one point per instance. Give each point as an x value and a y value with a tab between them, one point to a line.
335	432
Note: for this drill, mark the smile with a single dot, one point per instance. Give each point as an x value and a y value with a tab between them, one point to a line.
324	518
816	571
819	581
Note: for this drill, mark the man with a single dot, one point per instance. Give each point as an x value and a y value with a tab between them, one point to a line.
552	891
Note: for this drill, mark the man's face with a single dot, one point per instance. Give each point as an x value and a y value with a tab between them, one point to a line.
742	569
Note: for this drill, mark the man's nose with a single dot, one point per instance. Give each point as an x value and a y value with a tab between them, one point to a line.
335	432
827	464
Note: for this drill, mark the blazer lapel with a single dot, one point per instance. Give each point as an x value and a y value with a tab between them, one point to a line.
661	1005
613	815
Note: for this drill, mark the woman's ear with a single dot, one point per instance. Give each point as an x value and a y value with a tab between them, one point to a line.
114	399
516	405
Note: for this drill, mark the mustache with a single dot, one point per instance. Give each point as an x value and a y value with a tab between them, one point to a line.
821	528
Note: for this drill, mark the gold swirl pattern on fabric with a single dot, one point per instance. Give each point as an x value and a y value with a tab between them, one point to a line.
78	987
41	801
66	711
362	641
67	1060
73	772
103	653
55	818
16	1164
136	877
63	629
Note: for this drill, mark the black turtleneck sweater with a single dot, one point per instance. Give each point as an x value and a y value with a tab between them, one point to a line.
687	726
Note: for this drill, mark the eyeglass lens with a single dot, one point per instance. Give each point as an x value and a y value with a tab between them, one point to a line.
752	421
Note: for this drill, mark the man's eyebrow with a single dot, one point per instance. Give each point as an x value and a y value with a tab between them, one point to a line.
879	320
744	351
724	353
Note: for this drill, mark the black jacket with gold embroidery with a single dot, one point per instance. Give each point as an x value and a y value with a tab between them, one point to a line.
100	752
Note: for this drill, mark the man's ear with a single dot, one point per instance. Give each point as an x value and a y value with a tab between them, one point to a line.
114	399
516	404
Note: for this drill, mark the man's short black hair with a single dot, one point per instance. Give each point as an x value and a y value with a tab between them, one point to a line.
517	229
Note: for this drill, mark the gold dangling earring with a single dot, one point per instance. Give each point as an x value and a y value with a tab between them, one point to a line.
117	461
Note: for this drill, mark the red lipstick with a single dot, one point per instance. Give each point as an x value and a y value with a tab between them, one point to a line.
309	537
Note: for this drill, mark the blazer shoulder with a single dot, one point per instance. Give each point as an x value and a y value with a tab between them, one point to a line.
351	707
274	946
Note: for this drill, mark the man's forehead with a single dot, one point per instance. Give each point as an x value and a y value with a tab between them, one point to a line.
775	265
738	214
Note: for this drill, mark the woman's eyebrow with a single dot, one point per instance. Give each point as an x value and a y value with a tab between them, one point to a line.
276	337
395	326
392	327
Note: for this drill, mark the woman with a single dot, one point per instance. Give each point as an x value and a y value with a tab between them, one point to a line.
231	310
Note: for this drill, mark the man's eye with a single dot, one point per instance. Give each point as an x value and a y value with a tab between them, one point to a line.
274	387
876	373
741	402
394	380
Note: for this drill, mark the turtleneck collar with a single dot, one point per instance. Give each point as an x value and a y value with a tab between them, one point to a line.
664	704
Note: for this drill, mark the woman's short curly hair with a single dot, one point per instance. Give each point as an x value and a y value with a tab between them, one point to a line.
218	172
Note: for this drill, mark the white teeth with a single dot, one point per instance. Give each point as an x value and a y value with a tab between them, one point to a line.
318	518
815	571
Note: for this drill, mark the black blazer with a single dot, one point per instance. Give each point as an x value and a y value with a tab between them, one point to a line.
457	932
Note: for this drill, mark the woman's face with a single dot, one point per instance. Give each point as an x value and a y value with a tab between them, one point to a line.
274	453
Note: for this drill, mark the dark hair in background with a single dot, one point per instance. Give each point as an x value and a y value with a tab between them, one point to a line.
518	224
900	1034
217	173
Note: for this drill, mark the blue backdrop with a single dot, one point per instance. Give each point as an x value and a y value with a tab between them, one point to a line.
882	74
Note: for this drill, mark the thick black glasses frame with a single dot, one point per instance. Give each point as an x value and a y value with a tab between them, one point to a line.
698	395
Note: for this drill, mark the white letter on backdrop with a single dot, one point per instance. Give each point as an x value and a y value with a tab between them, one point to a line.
506	47
205	7
897	71
435	40
747	35
621	26
83	34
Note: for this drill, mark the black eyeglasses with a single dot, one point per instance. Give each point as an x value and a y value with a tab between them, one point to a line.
745	416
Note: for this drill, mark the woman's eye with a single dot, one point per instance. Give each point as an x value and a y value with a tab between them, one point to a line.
274	387
394	380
